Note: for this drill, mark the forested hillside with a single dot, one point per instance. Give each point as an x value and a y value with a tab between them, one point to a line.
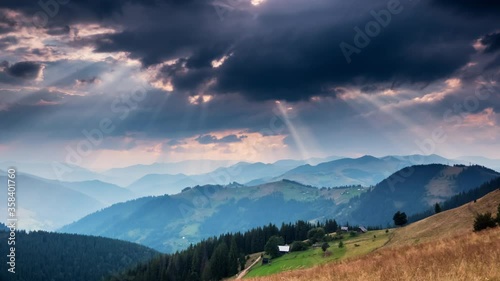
413	190
170	223
459	199
44	256
217	257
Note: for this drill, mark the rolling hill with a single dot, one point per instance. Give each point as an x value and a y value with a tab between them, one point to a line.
443	244
43	256
106	193
49	204
366	170
65	172
169	223
127	175
46	204
413	190
449	223
242	172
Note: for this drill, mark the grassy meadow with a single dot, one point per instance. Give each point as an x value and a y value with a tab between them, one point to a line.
471	257
366	242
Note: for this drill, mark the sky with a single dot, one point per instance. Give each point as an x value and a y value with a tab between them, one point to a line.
112	83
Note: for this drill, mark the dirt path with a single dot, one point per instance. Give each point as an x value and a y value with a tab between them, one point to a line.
244	272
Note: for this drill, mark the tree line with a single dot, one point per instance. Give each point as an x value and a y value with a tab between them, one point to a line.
45	256
219	257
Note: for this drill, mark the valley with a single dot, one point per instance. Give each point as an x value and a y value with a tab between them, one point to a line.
177	223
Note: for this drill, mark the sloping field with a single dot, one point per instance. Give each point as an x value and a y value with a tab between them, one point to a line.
471	257
441	247
458	221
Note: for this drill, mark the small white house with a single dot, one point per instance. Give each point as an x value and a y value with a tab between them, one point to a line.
284	249
344	228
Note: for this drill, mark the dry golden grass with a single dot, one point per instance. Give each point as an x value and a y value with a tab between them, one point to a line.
441	247
471	257
446	224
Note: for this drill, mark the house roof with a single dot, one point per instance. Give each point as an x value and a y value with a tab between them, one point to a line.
285	248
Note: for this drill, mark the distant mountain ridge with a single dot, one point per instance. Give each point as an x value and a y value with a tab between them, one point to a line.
169	223
242	172
50	204
47	204
366	170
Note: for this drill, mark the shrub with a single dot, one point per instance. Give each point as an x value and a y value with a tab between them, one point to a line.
338	237
325	246
271	246
298	246
352	234
484	221
316	234
341	244
400	219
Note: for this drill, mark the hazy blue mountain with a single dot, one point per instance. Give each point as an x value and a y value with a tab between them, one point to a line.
160	184
56	171
127	175
413	190
290	163
205	171
418	159
106	193
366	170
168	223
43	256
479	160
242	172
48	205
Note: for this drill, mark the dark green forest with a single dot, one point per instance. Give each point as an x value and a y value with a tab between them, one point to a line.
218	257
44	256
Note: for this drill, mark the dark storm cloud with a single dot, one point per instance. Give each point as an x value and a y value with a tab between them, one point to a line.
158	116
285	49
209	139
492	42
26	70
475	8
294	55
